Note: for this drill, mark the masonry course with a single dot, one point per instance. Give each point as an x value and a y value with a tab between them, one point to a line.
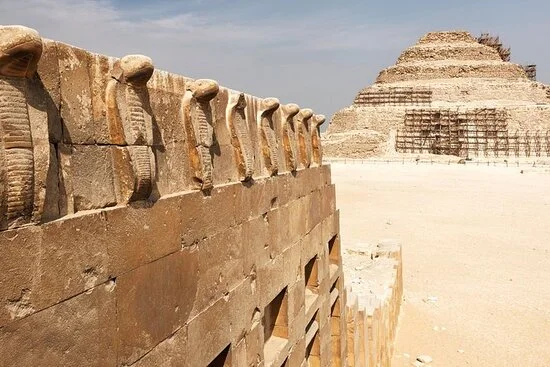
151	219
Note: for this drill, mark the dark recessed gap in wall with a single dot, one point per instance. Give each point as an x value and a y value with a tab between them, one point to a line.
223	359
275	323
311	278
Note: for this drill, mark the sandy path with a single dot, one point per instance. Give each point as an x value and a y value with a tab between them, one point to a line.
478	239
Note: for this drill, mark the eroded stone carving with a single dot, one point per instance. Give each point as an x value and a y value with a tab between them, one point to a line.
266	131
130	125
20	51
197	120
240	135
304	136
288	112
316	122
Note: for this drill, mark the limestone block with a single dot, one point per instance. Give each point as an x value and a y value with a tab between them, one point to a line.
296	311
270	280
257	249
312	244
258	198
78	332
18	254
171	352
255	342
330	226
297	211
72	259
314	202
243	309
325	342
206	215
207	345
142	234
50	84
172	169
328	200
166	91
88	176
220	267
77	114
238	354
292	264
99	73
297	353
278	230
154	301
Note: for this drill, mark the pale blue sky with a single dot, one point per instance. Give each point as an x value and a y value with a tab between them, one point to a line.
318	54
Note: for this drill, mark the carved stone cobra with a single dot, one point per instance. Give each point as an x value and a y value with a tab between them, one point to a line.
288	112
197	120
240	135
267	134
304	136
20	51
316	122
130	124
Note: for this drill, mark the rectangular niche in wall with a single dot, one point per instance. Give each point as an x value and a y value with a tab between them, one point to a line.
311	277
223	359
334	255
275	322
313	347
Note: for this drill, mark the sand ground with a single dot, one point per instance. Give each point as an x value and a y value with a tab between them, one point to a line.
476	252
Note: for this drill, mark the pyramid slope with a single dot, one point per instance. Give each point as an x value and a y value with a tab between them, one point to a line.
443	71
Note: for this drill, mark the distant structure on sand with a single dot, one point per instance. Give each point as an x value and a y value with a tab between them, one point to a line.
451	94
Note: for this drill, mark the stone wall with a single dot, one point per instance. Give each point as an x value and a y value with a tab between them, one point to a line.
149	219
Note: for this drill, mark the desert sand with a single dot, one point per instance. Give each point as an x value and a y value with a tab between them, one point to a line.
476	252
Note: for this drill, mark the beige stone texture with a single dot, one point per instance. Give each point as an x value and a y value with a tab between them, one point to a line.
89	169
78	332
443	71
154	307
167	221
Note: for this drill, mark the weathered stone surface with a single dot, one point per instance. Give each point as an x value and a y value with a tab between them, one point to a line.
78	332
167	216
89	177
220	267
238	126
197	120
443	71
66	257
155	299
76	98
171	352
50	86
18	254
215	320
